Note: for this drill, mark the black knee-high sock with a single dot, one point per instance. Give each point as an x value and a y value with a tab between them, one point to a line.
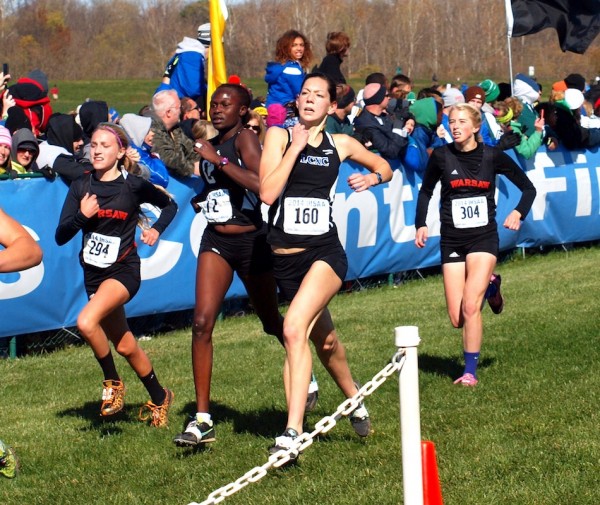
108	367
156	391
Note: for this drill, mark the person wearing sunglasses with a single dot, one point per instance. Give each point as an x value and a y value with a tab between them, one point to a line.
24	151
190	109
256	124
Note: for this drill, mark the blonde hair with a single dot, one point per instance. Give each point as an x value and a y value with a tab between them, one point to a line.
203	130
474	116
130	166
252	114
516	105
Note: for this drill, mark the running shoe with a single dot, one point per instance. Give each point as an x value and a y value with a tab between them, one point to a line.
158	415
359	419
8	461
467	379
196	432
284	442
313	394
113	397
495	299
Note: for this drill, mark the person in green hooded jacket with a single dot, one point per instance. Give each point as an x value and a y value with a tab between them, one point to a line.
507	115
428	117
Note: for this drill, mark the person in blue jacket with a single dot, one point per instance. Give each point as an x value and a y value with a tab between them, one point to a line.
285	75
185	72
140	134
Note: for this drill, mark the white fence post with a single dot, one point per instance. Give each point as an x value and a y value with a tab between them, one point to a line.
407	338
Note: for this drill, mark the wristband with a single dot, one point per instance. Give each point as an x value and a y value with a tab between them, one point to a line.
379	178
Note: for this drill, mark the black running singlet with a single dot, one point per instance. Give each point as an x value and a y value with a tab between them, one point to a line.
302	215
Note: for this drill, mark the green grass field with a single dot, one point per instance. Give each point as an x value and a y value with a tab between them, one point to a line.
131	95
527	434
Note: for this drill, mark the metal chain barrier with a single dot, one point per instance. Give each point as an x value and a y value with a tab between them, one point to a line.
306	439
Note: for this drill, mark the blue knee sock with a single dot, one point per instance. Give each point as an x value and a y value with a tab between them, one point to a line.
471	360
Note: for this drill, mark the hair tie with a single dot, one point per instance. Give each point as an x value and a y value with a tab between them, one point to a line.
113	131
507	117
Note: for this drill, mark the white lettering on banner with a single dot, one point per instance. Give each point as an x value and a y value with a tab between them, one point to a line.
366	203
598	181
395	195
28	280
584	192
165	255
543	184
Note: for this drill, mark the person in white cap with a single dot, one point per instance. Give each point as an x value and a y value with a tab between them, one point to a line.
186	70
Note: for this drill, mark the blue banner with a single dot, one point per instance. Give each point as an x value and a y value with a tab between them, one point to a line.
376	228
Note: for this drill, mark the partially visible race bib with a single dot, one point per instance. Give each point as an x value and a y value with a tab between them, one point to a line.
217	206
100	250
306	216
470	212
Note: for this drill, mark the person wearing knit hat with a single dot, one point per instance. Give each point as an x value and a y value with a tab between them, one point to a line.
490	131
452	96
379	131
575	81
475	94
262	111
427	134
16	120
491	90
559	86
204	34
5	147
505	90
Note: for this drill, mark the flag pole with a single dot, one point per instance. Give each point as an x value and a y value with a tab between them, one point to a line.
509	29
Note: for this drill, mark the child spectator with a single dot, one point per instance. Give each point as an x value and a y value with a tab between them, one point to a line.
5	147
285	75
507	115
138	130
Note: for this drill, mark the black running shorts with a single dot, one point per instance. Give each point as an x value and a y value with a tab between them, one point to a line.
454	250
247	253
290	269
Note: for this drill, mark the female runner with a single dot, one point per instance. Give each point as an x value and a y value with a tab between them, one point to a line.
234	241
298	173
467	170
105	206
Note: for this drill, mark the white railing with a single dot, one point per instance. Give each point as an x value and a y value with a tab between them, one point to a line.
404	361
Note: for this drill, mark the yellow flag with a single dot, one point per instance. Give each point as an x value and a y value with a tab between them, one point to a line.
217	74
